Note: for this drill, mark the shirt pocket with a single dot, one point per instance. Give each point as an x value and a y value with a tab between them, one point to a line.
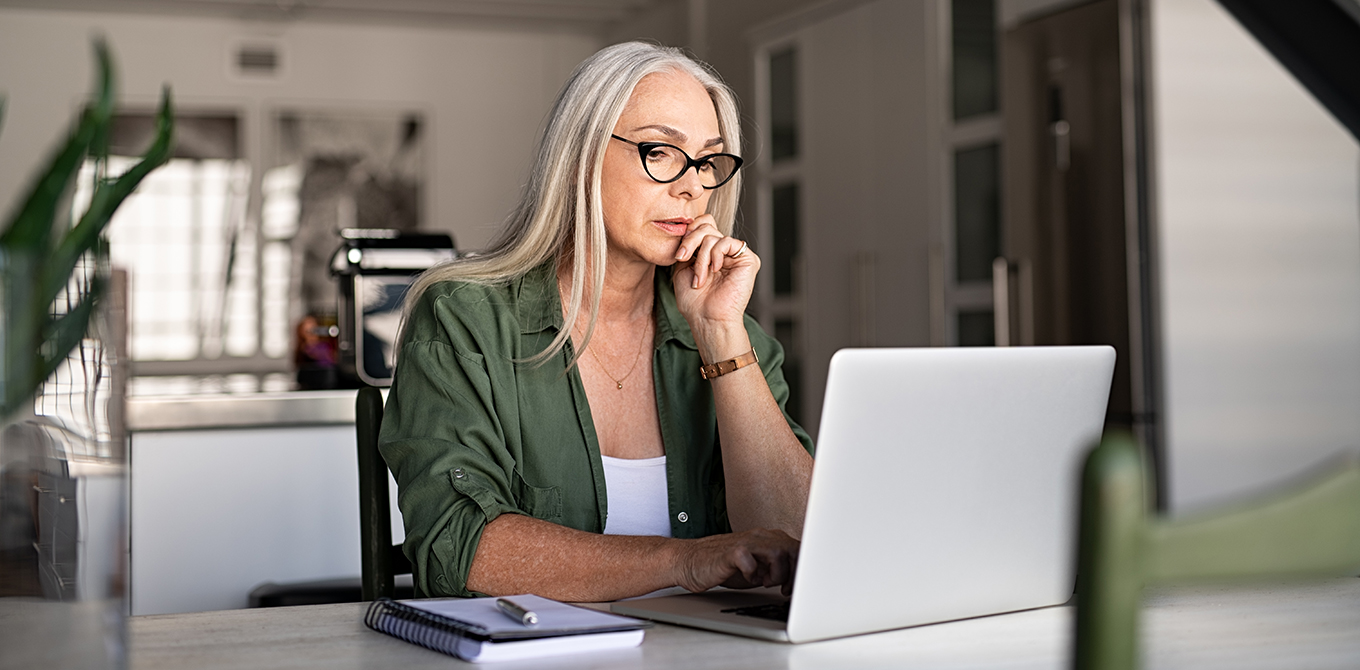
540	502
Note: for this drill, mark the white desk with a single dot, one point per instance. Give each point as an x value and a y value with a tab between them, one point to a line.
1312	625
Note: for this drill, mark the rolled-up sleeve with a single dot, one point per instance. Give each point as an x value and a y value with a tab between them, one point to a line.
442	438
771	355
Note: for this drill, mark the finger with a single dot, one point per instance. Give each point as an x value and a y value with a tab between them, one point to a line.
696	238
761	576
730	249
703	260
779	569
776	568
746	564
790	561
698	232
678	274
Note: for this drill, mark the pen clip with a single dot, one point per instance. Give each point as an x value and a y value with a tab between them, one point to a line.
516	612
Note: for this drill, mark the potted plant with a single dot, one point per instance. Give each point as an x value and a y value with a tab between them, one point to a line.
62	542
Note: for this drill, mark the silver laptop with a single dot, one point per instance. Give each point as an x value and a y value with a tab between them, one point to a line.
945	487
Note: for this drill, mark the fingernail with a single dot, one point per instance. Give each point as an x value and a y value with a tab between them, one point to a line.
695	282
680	255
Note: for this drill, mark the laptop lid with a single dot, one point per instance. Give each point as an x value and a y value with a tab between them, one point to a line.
945	485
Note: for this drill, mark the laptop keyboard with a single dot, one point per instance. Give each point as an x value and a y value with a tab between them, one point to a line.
772	611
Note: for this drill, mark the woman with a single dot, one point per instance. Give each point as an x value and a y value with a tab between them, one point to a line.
548	425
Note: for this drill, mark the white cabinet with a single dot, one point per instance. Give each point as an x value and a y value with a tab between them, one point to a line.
216	512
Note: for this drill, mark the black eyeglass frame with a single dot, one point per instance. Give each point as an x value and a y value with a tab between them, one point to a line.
644	147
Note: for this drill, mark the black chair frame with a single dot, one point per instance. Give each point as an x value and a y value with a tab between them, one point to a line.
381	561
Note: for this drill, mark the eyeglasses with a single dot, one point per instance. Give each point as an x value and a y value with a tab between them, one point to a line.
666	163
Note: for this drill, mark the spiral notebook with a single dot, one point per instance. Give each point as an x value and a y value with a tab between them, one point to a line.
475	630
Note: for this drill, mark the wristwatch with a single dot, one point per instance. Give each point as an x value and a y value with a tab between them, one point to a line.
731	365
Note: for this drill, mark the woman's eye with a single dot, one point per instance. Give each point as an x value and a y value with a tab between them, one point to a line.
656	155
705	166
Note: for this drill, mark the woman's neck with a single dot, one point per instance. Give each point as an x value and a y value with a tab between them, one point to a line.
627	291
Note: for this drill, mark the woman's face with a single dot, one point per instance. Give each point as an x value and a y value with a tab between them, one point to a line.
644	219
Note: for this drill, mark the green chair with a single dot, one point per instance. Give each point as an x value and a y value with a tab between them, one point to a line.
381	560
1313	530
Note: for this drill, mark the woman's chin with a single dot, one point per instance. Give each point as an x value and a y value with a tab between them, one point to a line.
664	255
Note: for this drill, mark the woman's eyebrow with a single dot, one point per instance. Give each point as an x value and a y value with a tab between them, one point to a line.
677	136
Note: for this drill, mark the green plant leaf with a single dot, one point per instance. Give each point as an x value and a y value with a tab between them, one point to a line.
31	227
103	106
22	324
107	197
35	268
69	329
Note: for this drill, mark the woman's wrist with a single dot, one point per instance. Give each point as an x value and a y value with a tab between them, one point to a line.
719	341
678	557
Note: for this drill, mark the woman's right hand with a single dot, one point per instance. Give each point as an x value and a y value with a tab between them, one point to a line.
759	557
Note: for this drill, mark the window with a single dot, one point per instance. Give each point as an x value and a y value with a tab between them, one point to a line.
227	252
193	261
977	212
973	139
975	66
779	178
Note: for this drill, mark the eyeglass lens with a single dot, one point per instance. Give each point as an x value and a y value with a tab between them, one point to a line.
665	163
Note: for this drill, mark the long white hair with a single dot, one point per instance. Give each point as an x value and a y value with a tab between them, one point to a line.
560	215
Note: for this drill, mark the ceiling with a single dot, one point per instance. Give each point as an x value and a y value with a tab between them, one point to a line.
579	14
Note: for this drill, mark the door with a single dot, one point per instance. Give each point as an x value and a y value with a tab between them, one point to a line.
1067	237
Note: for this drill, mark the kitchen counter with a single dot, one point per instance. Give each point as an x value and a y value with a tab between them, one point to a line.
240	410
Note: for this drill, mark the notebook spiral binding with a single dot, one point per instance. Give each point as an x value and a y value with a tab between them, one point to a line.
426	629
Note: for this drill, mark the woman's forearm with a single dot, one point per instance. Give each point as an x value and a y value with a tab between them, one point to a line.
766	469
519	554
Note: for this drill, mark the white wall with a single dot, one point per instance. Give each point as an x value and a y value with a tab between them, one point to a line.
1260	235
484	91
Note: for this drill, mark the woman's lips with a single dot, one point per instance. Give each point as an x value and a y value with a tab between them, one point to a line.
677	227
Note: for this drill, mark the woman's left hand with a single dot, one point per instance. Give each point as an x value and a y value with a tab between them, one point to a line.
714	275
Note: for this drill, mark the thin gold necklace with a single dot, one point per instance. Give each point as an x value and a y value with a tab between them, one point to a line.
636	357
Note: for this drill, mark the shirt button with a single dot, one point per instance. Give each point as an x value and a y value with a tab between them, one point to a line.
683	517
458	473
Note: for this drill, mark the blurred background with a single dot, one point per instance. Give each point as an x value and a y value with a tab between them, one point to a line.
1140	173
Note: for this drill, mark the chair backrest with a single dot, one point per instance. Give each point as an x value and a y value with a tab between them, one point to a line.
382	561
1310	530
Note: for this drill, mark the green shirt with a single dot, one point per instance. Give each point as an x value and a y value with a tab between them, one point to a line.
471	434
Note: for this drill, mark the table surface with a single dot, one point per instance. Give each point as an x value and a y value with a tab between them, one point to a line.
1295	625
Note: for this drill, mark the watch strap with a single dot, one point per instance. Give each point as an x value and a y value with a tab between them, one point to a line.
731	365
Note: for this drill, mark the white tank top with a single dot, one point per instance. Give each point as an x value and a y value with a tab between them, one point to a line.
636	491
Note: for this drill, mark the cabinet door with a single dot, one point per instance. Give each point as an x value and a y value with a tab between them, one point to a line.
215	513
858	184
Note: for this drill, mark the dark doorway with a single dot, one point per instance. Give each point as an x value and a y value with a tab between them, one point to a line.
1075	249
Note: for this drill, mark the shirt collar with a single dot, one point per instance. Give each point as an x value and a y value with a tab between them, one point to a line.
670	323
536	300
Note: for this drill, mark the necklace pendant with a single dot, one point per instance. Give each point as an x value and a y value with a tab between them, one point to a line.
620	385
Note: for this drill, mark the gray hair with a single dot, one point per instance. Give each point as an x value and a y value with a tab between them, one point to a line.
560	214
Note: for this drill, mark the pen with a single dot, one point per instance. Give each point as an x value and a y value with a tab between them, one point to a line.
516	612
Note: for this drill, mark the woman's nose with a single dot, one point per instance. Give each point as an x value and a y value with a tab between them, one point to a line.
688	185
